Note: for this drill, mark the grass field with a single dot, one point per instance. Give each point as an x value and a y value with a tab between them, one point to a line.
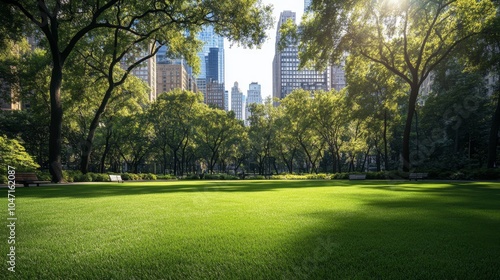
256	230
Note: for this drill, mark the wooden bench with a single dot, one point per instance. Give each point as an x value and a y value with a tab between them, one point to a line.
417	176
29	178
357	176
115	178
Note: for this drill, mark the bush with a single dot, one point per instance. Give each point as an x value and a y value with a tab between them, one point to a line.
165	177
340	176
99	177
129	176
192	177
44	176
148	176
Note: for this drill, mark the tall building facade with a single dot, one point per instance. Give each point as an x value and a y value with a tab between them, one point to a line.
171	76
286	73
210	81
211	40
146	71
254	96
237	102
338	77
172	73
214	94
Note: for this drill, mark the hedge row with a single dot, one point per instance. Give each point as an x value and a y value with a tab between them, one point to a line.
466	174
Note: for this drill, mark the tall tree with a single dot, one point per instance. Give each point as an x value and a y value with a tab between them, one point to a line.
410	38
379	95
297	111
173	118
330	115
64	23
261	132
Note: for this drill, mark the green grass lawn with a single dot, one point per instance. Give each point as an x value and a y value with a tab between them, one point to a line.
257	230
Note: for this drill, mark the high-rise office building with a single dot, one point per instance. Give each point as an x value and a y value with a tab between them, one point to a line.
146	71
338	77
212	64
237	103
254	96
307	3
211	77
214	93
226	100
286	73
211	40
173	73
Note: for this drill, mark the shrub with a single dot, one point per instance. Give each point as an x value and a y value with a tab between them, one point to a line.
99	177
192	177
44	176
148	176
165	177
130	177
340	176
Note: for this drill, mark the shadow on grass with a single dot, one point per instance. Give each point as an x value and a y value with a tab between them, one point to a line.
137	188
443	231
457	189
425	237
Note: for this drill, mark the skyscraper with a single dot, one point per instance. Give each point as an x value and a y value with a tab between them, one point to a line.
210	81
146	71
212	65
214	94
211	40
254	95
286	73
237	102
307	3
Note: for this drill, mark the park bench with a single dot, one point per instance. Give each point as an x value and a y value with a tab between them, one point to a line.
357	176
116	178
29	178
417	176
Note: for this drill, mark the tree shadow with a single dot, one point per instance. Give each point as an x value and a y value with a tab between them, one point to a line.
138	188
425	237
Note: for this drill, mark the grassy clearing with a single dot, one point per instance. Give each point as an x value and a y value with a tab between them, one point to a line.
257	230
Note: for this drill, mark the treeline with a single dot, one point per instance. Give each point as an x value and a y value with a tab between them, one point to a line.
358	129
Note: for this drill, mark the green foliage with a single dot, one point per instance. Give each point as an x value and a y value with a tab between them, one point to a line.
14	154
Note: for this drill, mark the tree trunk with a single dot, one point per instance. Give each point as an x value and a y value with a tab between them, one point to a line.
406	134
87	146
493	139
106	151
386	156
56	117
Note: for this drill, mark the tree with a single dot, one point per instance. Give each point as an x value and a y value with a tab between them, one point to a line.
135	132
330	114
173	117
14	154
379	95
297	110
215	127
409	38
63	24
453	124
261	132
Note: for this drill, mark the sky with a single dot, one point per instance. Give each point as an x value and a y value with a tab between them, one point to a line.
256	65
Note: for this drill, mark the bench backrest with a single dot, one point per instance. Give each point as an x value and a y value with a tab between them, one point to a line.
26	177
114	178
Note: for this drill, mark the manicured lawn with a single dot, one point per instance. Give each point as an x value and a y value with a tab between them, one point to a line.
257	230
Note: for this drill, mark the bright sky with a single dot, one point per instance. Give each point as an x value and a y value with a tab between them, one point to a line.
256	65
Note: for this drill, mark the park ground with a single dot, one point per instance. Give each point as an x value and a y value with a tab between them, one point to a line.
324	229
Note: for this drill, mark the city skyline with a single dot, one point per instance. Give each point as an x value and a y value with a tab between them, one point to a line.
256	65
